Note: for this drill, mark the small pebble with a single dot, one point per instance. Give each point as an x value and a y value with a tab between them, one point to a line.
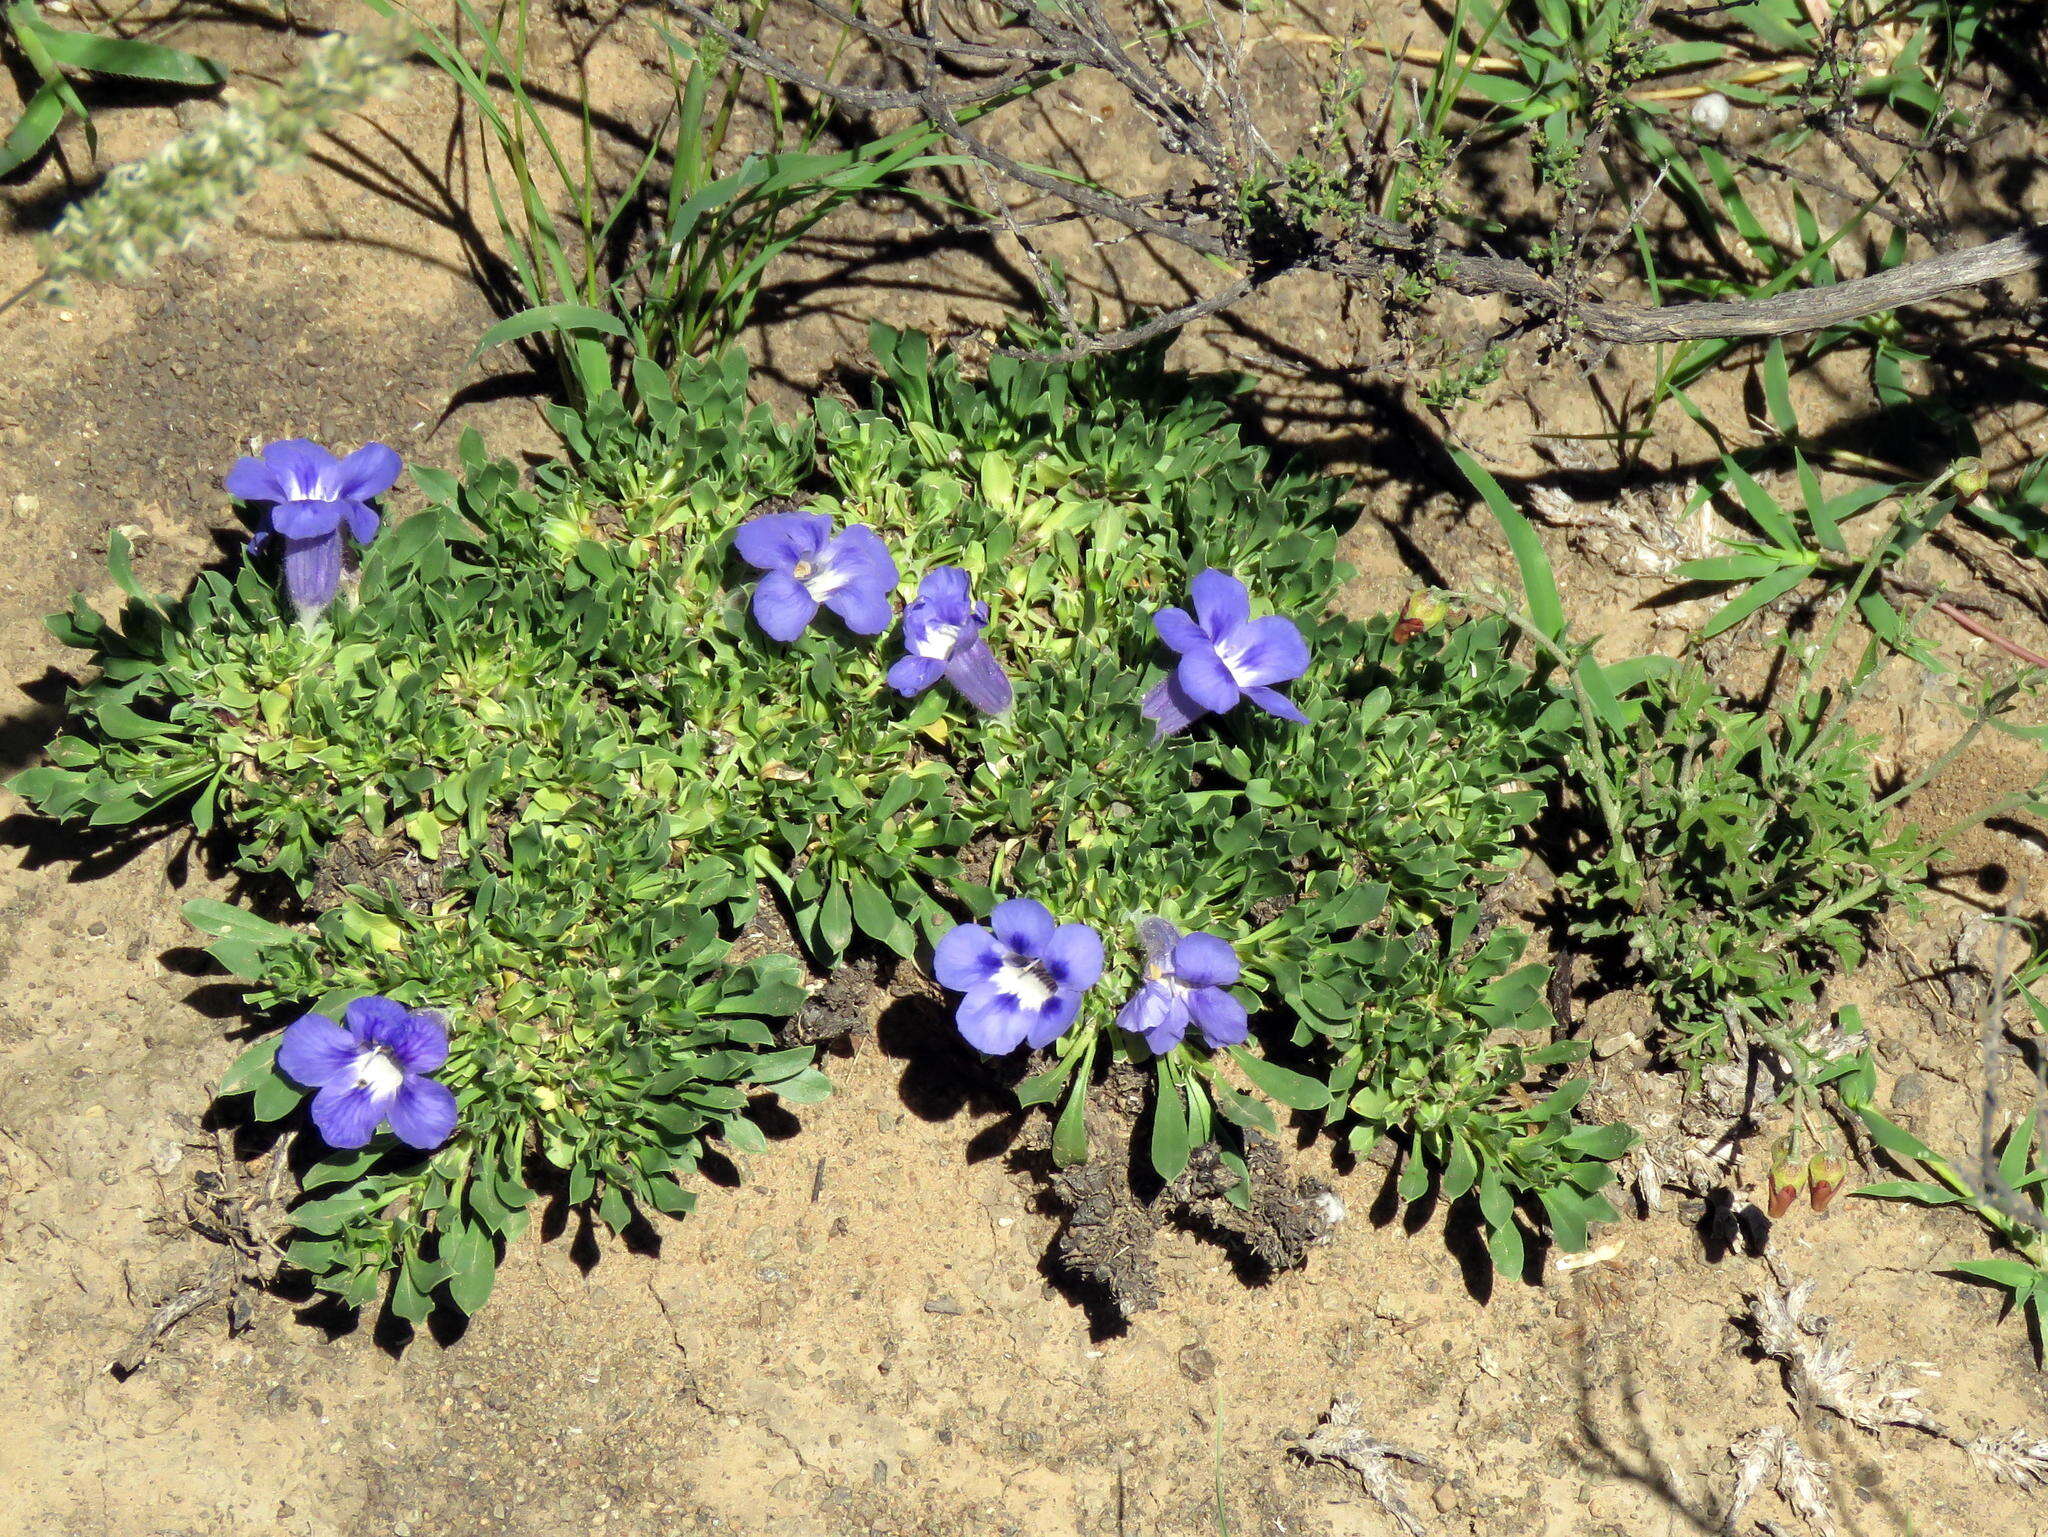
1910	1090
1711	112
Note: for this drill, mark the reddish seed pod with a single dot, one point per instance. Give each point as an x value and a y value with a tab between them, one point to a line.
1786	1181
1824	1177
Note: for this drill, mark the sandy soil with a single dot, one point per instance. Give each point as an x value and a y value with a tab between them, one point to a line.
857	1334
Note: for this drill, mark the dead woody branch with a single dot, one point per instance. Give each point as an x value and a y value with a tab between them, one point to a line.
1182	75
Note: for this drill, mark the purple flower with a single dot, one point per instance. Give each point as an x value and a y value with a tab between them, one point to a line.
311	496
1186	982
807	564
942	639
1225	655
373	1071
1024	981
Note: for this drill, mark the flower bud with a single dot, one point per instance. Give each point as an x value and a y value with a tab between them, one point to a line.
1785	1182
1423	610
1971	478
1824	1176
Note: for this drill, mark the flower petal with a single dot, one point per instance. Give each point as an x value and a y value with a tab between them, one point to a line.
979	677
423	1113
945	587
1049	1021
858	575
370	471
251	480
1180	632
312	571
1221	602
1202	676
1157	1016
418	1038
1203	960
966	958
1171	710
864	610
1022	925
1268	650
991	1021
347	1117
1219	1015
775	541
316	1051
1074	957
361	520
305	471
912	675
373	1017
305	520
783	606
1273	702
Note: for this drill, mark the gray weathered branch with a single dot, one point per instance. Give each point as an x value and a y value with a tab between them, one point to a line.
1369	247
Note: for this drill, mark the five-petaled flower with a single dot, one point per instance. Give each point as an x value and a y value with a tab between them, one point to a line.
942	638
1187	977
311	496
372	1071
806	565
1022	978
1225	655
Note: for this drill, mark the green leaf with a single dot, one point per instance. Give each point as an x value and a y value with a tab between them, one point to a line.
1253	1114
1461	1169
255	1066
1070	1136
225	922
1414	1182
570	319
1043	1088
1730	568
1602	1142
39	120
879	919
1281	1084
806	1088
1539	582
125	57
1769	590
1170	1149
471	1260
122	723
1503	1237
1567	1219
1909	1190
1894	1138
407	1300
2015	1275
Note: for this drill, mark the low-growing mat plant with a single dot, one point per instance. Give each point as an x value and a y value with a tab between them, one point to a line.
538	765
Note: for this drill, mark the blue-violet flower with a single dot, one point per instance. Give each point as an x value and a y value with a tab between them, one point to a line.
1225	655
807	564
1022	978
372	1071
1187	977
942	638
312	496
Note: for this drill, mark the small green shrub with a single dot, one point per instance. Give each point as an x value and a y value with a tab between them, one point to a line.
1751	858
543	769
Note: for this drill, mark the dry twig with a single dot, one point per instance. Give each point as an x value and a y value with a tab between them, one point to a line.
250	1224
1231	218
